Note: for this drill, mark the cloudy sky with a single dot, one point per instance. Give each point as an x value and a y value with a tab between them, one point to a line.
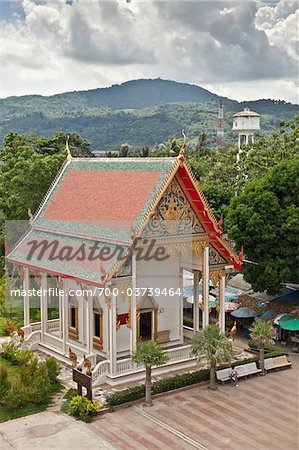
240	49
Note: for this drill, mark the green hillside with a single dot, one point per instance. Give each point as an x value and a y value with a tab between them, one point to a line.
141	112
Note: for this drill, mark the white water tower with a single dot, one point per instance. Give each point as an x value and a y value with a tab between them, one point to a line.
245	123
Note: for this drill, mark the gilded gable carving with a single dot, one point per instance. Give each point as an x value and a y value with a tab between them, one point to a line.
174	215
215	257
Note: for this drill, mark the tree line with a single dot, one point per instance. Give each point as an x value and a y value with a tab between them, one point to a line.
257	196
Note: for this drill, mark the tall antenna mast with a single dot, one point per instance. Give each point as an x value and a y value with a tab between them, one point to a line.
220	129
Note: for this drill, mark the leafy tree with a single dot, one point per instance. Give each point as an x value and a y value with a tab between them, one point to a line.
171	148
264	218
268	151
52	145
124	151
201	148
262	332
214	346
150	354
30	162
145	152
25	177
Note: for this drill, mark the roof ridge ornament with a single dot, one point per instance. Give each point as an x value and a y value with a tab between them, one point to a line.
181	156
241	253
69	155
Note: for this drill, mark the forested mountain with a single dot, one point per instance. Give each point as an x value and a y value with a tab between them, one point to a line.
140	112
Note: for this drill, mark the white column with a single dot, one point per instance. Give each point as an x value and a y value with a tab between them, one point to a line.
222	302
133	331
80	300
60	300
196	301
112	335
239	143
44	305
89	324
65	315
205	286
26	297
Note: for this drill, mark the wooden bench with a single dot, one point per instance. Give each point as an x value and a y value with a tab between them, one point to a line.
280	362
244	370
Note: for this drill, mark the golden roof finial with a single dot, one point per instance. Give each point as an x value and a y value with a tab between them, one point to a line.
181	156
183	147
69	155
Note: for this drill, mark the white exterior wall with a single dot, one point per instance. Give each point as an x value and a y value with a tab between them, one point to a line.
164	274
246	123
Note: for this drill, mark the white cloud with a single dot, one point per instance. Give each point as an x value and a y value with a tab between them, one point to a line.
228	46
281	25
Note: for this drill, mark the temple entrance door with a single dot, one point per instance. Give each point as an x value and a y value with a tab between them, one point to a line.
146	325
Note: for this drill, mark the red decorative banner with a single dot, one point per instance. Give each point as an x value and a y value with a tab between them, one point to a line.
122	319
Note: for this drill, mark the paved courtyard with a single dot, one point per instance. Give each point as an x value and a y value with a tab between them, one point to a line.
262	413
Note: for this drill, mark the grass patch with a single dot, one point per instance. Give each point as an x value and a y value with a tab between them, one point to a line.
7	414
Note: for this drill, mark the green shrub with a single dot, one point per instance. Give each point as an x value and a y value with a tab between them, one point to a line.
276	353
17	396
179	381
24	357
164	385
127	395
16	356
83	408
53	369
65	407
10	353
4	382
253	345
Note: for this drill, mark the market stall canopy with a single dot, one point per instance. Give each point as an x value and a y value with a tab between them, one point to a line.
238	282
231	293
268	315
244	313
231	306
290	325
282	317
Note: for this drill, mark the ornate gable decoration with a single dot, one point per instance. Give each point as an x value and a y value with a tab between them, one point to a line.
215	257
174	216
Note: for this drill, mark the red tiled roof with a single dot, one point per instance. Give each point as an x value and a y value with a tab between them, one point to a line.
101	195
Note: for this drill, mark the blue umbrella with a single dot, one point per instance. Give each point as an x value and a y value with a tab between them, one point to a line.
244	313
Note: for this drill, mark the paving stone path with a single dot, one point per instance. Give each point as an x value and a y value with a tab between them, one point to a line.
260	414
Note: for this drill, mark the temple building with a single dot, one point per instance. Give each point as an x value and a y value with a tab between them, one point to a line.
113	237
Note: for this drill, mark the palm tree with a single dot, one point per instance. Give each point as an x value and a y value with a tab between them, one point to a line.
150	354
214	345
262	332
